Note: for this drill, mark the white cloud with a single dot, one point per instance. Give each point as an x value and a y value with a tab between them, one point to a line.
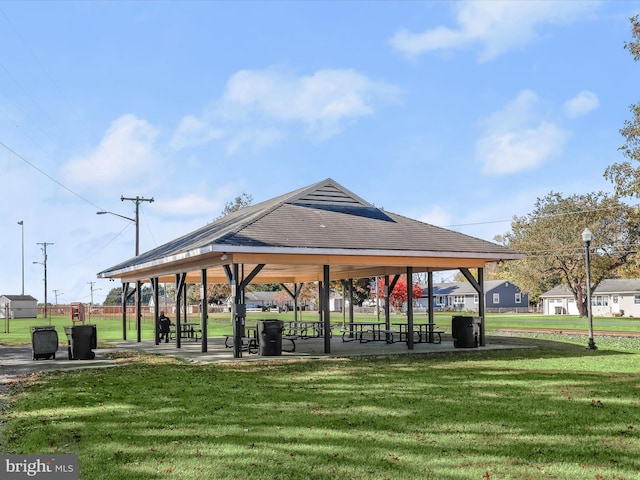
259	107
201	200
126	152
581	104
193	131
436	216
512	152
495	26
191	204
515	113
516	139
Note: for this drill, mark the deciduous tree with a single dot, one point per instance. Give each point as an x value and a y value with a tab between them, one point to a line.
626	175
551	238
241	201
399	295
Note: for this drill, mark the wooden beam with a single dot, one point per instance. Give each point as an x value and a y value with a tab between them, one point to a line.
307	268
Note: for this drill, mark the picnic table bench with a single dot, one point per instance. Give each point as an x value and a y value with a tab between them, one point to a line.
424	331
189	331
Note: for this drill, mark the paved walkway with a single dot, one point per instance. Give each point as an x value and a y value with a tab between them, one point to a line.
18	360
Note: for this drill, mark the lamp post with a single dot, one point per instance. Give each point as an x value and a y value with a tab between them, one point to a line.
135	220
586	239
21	223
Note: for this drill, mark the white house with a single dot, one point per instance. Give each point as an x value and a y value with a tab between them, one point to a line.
18	306
619	296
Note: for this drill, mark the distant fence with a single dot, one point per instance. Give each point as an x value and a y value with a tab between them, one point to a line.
107	311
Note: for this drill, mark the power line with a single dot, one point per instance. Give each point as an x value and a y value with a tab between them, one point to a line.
35	167
550	215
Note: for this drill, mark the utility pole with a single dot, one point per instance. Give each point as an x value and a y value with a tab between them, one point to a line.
55	292
92	290
137	200
44	251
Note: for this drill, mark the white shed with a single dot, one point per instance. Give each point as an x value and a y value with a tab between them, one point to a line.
18	306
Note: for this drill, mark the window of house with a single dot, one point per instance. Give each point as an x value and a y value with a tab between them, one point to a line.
600	301
636	299
476	299
518	298
496	298
458	299
614	299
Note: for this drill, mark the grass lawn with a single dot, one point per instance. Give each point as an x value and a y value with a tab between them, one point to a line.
558	411
220	324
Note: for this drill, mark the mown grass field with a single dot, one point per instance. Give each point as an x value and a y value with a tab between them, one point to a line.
555	411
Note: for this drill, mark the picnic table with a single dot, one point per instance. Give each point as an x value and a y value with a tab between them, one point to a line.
426	332
303	329
366	332
188	330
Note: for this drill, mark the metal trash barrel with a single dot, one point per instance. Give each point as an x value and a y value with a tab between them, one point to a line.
270	337
465	331
82	339
44	342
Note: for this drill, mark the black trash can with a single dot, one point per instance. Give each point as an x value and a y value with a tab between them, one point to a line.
465	331
82	339
44	342
270	337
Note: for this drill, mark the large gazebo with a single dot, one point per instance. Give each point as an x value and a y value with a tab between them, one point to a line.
319	233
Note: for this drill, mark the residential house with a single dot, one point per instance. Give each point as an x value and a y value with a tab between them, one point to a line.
500	295
617	297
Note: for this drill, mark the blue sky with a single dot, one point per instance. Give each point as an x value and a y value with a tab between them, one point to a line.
459	114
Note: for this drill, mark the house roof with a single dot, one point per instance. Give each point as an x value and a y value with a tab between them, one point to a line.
295	234
608	286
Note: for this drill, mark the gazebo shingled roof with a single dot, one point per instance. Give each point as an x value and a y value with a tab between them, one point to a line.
296	234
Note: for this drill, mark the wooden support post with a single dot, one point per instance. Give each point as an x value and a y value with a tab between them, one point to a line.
204	310
430	306
156	309
410	307
327	311
139	311
125	296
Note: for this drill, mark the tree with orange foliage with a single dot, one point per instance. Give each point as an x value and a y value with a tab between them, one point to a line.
399	294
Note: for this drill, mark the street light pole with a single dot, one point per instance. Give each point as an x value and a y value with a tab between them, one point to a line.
136	220
21	223
586	239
